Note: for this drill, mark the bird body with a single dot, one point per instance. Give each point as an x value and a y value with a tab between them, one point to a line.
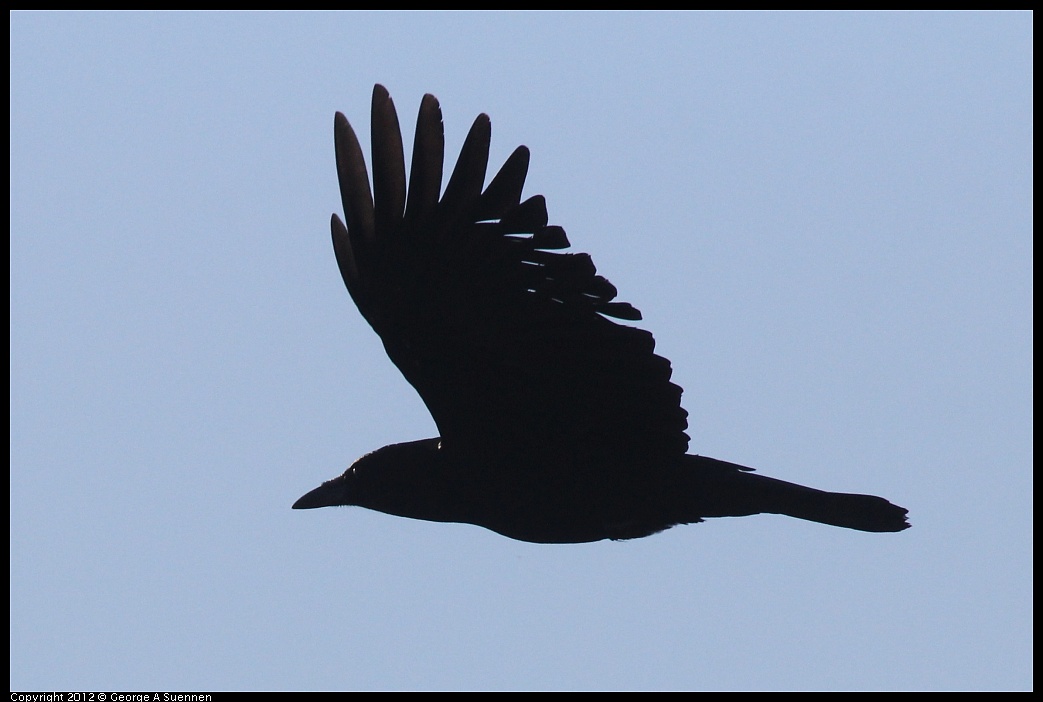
557	424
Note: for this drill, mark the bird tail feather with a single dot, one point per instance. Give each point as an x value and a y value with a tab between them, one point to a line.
736	491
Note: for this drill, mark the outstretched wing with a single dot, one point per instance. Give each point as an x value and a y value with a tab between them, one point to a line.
503	336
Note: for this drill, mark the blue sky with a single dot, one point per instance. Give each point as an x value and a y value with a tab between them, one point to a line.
825	218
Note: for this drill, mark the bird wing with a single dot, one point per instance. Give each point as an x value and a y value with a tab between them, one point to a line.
506	338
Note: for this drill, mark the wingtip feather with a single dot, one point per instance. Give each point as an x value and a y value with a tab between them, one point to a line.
425	173
354	180
389	168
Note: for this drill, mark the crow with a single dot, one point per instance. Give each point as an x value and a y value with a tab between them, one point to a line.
557	424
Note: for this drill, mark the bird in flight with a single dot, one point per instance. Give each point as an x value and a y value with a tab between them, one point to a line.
557	424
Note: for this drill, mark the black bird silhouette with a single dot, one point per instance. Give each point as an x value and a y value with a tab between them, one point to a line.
557	424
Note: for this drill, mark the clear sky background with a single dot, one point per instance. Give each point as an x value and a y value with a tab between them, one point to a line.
826	219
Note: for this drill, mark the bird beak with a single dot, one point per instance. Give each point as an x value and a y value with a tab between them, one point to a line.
330	493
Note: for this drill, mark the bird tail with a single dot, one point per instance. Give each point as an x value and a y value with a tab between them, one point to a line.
731	490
